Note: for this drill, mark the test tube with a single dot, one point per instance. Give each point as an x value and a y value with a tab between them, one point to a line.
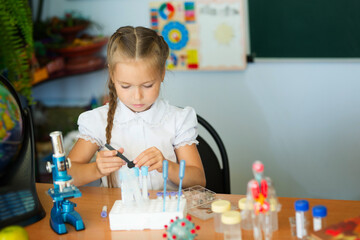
144	174
219	207
159	196
173	196
302	209
167	195
104	211
319	217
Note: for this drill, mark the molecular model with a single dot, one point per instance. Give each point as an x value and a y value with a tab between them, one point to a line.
181	229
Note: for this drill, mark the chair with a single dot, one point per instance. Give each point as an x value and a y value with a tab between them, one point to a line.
217	178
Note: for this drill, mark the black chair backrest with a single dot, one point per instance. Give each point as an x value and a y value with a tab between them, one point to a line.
217	178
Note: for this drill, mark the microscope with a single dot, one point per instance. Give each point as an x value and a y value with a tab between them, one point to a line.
63	209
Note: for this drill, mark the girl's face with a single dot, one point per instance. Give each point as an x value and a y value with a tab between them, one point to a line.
136	84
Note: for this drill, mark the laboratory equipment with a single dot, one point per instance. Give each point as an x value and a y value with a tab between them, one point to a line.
231	224
199	200
159	195
319	213
130	214
130	189
19	201
263	201
144	175
165	177
219	207
301	218
63	209
181	177
246	221
130	164
104	211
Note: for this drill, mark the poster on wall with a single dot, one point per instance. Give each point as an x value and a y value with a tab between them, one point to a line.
202	34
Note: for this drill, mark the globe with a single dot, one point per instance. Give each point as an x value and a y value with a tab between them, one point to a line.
11	128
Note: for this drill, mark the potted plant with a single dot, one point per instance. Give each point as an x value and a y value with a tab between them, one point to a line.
17	47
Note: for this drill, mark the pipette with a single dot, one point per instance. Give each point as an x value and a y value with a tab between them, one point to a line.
130	164
181	176
165	177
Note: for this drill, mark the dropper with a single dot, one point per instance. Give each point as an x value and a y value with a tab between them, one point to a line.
181	176
165	177
129	163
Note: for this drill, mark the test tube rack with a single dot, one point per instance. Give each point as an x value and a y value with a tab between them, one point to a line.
148	214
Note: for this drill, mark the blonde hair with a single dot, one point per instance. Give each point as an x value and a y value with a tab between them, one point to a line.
131	43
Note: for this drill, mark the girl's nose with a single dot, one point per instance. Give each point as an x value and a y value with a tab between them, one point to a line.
138	93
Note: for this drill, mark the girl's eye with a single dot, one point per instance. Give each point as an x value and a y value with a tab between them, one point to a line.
148	85
125	86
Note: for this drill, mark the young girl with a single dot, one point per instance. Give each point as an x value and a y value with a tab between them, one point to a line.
143	127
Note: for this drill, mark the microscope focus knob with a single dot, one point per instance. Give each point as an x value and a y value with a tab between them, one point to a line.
49	167
68	163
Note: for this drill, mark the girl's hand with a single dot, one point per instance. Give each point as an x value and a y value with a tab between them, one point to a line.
107	161
151	157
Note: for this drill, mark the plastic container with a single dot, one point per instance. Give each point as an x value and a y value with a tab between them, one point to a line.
301	216
246	221
319	217
274	209
219	207
231	224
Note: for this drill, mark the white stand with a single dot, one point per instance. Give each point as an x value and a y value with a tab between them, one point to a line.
146	215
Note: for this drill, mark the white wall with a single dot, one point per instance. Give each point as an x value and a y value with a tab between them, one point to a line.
300	118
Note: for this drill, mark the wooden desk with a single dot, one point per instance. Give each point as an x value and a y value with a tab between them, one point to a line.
93	198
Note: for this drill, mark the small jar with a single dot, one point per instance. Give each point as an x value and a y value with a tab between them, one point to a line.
301	217
231	224
319	217
218	207
246	220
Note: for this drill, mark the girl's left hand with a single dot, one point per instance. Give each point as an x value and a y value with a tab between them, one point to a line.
151	157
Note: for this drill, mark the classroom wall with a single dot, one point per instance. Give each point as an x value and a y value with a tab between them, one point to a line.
301	118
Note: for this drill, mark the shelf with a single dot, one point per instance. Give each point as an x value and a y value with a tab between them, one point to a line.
73	72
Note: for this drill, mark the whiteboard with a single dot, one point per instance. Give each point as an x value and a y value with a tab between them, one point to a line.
202	34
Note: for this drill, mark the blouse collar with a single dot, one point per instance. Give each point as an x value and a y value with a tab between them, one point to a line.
152	116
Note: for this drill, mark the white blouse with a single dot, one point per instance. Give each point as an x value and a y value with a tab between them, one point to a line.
163	126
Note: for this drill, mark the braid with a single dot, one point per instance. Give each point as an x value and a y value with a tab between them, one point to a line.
110	122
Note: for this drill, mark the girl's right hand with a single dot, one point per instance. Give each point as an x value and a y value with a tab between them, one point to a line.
107	161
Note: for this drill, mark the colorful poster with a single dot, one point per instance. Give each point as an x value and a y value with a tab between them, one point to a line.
202	34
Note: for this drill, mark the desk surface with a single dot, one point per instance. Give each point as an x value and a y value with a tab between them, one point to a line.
93	198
